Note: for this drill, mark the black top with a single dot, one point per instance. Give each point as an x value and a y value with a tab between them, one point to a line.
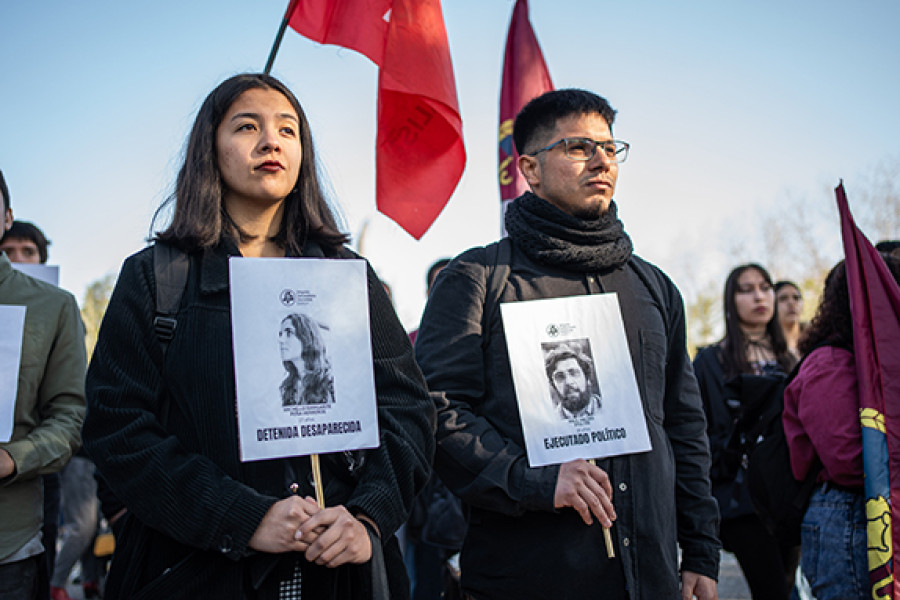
165	439
517	545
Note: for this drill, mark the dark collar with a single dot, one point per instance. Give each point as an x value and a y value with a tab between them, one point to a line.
214	263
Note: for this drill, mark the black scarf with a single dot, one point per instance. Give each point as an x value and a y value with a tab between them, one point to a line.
549	236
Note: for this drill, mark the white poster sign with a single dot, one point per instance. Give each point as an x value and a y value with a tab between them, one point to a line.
302	356
47	273
575	384
12	329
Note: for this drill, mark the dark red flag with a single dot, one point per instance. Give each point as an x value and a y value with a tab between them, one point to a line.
875	312
420	154
525	76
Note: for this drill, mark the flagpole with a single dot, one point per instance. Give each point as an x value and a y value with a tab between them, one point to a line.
278	38
274	51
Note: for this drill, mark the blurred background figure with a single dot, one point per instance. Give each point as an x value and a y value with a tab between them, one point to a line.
754	345
789	307
435	529
891	247
822	427
73	490
80	518
25	243
48	411
433	271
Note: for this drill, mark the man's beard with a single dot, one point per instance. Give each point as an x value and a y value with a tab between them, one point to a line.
576	401
592	212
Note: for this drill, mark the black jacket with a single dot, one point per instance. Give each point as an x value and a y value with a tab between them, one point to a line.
749	396
165	439
517	545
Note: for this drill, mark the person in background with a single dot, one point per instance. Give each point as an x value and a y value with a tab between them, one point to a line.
753	344
822	427
891	247
74	486
162	426
432	531
24	242
47	418
789	306
435	268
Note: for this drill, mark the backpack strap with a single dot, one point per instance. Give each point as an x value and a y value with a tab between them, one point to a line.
497	269
170	268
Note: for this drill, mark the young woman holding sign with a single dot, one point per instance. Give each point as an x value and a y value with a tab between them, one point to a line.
162	424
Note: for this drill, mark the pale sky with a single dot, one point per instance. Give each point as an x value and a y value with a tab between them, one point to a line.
729	106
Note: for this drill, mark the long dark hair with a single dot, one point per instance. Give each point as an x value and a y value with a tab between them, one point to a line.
832	325
734	348
200	219
316	384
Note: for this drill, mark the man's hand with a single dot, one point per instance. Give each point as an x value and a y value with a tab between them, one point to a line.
586	488
694	585
7	464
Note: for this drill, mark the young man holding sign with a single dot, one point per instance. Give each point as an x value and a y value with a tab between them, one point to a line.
654	491
42	363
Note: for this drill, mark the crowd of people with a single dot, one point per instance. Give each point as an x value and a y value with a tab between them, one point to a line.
148	437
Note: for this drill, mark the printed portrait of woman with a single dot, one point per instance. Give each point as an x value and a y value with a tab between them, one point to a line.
309	378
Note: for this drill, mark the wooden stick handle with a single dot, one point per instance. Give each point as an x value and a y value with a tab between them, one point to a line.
317	480
607	537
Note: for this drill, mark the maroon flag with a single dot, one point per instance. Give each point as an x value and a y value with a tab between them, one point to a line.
875	313
525	76
420	155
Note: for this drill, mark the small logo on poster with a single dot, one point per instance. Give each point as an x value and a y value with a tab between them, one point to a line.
287	297
557	329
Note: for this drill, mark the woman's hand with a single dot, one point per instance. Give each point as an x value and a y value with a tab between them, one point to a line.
275	533
333	537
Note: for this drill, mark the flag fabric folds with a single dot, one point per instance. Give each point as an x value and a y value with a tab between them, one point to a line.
420	155
525	76
875	312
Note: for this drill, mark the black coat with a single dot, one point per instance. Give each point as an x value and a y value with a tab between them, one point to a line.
165	439
518	546
749	396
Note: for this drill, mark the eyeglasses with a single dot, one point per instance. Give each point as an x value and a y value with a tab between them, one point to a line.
583	149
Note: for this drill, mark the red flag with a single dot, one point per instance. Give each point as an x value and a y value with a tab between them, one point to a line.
875	312
359	25
420	154
525	76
